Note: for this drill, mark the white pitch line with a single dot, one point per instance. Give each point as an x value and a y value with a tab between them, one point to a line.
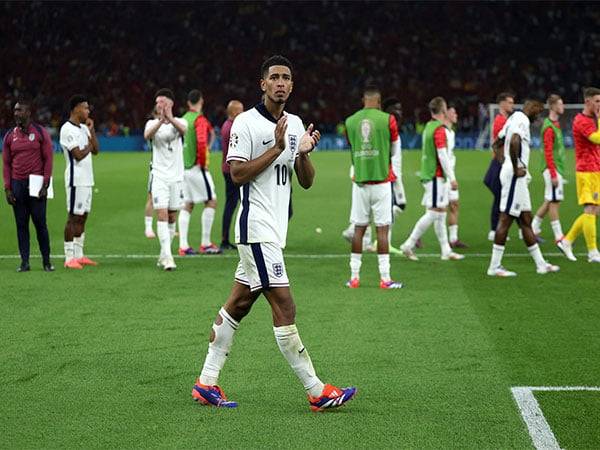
539	430
289	255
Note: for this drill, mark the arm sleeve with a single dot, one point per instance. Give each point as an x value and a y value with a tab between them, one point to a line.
47	156
393	129
548	151
397	158
7	160
68	139
240	142
439	137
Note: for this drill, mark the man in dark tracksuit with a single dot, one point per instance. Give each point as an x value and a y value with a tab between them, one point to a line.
27	150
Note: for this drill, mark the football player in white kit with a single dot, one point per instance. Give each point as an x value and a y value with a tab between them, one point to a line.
515	201
166	133
266	146
78	142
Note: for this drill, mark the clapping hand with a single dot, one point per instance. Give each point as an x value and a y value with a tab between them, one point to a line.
280	130
309	140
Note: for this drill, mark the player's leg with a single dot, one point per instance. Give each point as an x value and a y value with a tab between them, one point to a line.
149	211
425	221
530	240
85	194
190	196
439	222
492	181
382	208
506	215
553	213
589	232
22	213
453	210
37	207
536	223
209	197
360	217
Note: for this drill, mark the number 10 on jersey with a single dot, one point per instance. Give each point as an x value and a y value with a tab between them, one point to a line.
282	174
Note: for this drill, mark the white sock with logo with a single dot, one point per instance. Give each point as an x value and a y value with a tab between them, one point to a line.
78	247
69	251
184	225
384	266
162	231
536	224
439	226
536	254
453	233
295	353
355	263
172	231
223	330
497	253
208	216
556	229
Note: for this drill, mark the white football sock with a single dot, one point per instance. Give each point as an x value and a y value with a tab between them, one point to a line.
355	263
69	251
497	253
536	224
78	247
208	216
162	231
218	349
184	225
148	223
453	233
439	226
421	227
172	230
384	266
295	353
536	254
556	229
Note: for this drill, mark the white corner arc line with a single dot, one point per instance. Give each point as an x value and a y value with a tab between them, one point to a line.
541	434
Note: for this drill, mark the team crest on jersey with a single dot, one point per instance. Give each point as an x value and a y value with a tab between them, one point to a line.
233	140
278	270
293	142
31	137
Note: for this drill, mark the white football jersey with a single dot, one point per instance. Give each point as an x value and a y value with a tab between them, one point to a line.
451	143
517	123
77	173
167	151
263	216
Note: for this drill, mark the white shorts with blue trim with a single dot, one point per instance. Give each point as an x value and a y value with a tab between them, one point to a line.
198	185
375	199
551	193
261	266
436	193
167	195
79	200
515	197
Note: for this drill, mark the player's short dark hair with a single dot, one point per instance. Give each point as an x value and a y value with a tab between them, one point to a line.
165	92
390	101
194	96
371	89
76	100
552	99
275	60
25	100
533	103
590	92
504	96
436	104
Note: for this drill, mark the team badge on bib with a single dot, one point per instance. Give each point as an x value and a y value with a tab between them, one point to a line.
31	137
278	270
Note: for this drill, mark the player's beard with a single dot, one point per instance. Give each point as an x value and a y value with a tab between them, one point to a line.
278	101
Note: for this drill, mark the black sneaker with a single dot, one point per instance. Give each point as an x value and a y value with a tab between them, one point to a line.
24	267
48	267
227	246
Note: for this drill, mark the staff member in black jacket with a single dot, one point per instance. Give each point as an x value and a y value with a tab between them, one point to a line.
27	150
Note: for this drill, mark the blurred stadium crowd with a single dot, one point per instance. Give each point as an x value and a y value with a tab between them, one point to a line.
120	53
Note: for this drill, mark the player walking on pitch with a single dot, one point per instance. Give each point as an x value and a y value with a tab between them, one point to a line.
437	175
375	148
166	132
265	147
586	136
553	169
79	143
198	185
515	202
453	204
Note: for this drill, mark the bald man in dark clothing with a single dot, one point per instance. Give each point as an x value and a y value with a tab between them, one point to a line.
27	150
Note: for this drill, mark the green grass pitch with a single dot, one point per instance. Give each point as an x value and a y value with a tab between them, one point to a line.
106	357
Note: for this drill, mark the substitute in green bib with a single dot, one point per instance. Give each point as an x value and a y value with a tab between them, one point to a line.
437	176
553	168
375	148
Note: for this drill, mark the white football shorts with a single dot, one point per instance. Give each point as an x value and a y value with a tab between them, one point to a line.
551	193
372	198
436	193
167	195
198	185
515	196
79	200
261	266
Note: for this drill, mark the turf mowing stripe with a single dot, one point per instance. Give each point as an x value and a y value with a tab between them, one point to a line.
291	255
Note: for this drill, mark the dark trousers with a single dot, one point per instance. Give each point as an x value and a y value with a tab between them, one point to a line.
492	181
232	196
25	208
